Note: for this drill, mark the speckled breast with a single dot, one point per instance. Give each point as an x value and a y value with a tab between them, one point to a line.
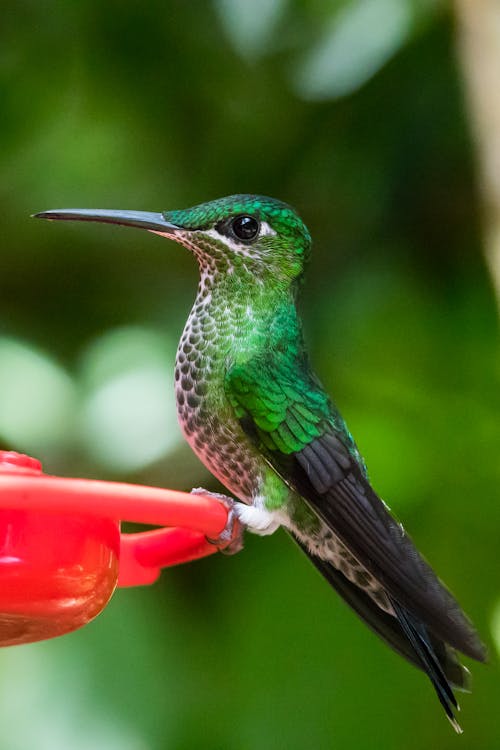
205	416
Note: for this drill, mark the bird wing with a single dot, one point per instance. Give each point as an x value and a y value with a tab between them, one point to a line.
289	417
387	626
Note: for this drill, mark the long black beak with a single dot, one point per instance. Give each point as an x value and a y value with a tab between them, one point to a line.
140	219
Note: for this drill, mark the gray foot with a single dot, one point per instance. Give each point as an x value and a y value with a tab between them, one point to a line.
230	540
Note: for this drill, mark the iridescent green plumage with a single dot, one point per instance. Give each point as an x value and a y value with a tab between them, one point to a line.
257	416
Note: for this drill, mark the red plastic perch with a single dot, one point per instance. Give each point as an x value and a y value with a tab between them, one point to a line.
61	551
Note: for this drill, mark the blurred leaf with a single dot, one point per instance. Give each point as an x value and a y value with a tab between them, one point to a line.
495	627
250	24
357	42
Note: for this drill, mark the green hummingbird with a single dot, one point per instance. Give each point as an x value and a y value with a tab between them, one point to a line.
255	413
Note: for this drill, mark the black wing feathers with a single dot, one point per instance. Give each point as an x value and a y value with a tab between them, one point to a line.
386	626
336	489
287	415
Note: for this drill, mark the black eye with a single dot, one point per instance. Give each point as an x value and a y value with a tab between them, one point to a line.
245	227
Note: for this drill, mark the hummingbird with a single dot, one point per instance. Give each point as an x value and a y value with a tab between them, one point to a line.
255	413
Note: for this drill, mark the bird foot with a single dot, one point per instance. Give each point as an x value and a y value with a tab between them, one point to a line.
230	540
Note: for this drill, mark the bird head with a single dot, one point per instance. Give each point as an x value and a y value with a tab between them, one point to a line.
240	235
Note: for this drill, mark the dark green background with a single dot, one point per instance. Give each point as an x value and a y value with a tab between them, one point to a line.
162	105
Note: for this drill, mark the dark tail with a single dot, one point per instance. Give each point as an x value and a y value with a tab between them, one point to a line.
406	635
420	641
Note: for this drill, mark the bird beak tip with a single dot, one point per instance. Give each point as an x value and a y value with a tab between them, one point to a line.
139	219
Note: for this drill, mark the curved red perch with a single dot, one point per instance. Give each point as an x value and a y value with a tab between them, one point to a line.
61	547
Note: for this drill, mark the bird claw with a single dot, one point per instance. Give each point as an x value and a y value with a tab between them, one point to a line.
230	540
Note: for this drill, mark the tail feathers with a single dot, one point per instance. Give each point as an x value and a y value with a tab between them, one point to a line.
417	635
406	635
457	675
387	626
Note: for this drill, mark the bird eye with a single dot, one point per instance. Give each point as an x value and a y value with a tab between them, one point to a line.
245	227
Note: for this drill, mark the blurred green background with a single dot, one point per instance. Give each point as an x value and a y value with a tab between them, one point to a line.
354	113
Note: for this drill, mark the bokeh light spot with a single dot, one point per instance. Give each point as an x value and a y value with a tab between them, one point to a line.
37	398
128	416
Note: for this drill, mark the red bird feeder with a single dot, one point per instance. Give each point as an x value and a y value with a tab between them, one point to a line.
61	551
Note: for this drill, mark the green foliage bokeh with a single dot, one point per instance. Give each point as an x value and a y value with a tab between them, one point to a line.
161	105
